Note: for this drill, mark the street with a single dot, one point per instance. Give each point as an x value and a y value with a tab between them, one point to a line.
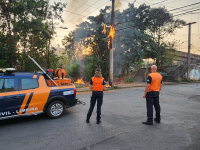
123	111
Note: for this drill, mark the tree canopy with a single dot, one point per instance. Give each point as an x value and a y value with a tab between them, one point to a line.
139	34
26	27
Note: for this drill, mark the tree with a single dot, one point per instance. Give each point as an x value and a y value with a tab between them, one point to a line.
26	25
161	23
91	36
139	34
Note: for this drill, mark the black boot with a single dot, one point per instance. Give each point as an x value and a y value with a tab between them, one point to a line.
88	120
156	120
99	121
148	123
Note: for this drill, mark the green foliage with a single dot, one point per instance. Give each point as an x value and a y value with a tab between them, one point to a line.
144	39
191	80
187	80
26	27
79	86
73	71
130	80
184	80
176	80
92	64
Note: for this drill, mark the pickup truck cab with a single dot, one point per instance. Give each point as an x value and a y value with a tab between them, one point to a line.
23	93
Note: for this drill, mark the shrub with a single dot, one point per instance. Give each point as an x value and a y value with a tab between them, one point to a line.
130	80
177	80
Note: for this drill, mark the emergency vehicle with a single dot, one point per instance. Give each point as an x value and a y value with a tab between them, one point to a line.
26	93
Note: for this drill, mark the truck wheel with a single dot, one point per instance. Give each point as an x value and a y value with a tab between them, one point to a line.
55	109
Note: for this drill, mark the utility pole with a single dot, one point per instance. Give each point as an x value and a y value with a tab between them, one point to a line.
112	48
189	40
181	52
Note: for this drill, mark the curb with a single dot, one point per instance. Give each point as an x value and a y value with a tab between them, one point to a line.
133	86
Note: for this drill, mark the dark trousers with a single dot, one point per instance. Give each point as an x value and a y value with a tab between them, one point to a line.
96	96
152	98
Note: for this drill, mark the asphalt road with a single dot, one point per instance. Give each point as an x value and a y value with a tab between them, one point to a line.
123	111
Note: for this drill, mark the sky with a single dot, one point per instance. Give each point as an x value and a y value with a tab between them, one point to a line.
88	8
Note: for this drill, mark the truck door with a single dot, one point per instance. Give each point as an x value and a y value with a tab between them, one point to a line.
36	96
10	101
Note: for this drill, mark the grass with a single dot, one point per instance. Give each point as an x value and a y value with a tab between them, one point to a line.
130	80
110	88
177	80
78	86
187	80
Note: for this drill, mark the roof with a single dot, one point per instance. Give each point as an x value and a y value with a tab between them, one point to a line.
20	74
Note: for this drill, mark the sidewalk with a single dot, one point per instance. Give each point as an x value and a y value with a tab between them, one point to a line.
131	85
118	86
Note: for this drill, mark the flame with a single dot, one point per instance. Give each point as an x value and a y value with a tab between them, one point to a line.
79	81
111	35
107	85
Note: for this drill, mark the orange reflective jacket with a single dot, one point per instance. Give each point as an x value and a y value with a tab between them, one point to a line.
155	82
97	83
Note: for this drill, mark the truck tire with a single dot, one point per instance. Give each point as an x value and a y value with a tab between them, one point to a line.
55	109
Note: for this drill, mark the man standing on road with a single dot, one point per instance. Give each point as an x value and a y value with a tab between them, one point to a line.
98	84
152	89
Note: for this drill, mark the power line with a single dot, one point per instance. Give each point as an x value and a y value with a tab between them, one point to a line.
82	2
153	4
159	2
84	10
186	12
92	11
185	6
106	2
136	26
164	18
74	13
75	10
123	15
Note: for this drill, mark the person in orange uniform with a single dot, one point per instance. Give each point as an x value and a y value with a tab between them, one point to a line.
97	84
152	90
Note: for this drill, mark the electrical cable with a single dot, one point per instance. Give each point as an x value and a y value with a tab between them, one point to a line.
158	19
80	102
84	10
185	6
152	4
159	2
75	11
89	13
86	4
181	11
170	10
186	12
124	15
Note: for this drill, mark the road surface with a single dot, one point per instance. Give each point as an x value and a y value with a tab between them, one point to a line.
123	111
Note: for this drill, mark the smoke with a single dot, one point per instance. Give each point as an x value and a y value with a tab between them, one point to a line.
76	10
118	5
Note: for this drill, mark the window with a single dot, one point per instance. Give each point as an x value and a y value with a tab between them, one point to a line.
29	84
7	85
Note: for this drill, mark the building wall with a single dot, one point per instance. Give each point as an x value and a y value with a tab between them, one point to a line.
195	73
